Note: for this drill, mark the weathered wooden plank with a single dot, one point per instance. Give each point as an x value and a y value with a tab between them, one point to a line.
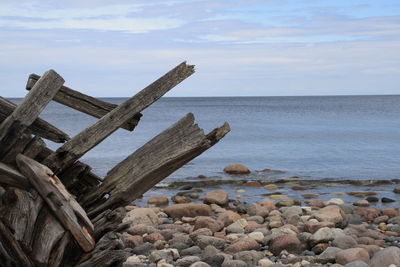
34	147
109	220
61	203
84	103
20	144
12	177
39	127
151	163
15	255
93	135
28	110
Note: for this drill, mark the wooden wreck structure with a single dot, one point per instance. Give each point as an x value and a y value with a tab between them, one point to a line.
54	210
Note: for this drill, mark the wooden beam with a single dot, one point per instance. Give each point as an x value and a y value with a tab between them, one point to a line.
12	177
151	163
39	127
93	135
61	203
28	111
84	103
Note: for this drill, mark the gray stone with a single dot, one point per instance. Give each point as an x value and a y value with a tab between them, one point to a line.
394	220
292	211
356	264
167	254
325	234
191	251
354	219
385	257
143	249
328	255
251	258
203	241
256	218
211	250
214	261
344	242
187	261
200	264
234	263
141	216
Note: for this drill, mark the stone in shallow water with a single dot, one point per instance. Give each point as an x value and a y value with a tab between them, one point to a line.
219	197
158	201
362	194
236	169
252	184
188	210
271	187
361	203
372	199
387	200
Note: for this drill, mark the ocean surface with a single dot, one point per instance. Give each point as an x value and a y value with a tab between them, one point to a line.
309	138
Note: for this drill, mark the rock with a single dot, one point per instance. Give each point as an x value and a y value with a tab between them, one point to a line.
256	218
236	169
332	214
319	248
290	243
352	254
387	200
372	199
187	261
141	229
291	211
361	203
202	241
243	244
141	216
198	232
328	255
354	219
143	249
237	227
396	190
394	220
153	237
252	184
335	201
132	260
257	209
269	204
265	262
181	199
312	227
370	248
209	223
167	254
356	264
298	188
133	241
344	242
234	263
362	194
315	203
368	214
271	187
200	264
326	234
258	236
391	212
228	217
219	197
286	203
251	258
385	257
158	201
188	210
277	196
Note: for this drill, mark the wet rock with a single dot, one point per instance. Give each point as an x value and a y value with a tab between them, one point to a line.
315	203
181	199
387	200
277	196
290	243
219	197
269	204
251	258
187	261
312	227
142	216
252	184
352	254
203	241
287	203
328	255
188	210
385	257
362	194
396	190
143	249
158	201
236	169
257	209
368	214
344	242
234	263
243	244
326	234
332	214
372	199
335	201
271	187
209	223
361	203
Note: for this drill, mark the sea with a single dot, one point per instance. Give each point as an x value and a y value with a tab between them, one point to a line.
329	144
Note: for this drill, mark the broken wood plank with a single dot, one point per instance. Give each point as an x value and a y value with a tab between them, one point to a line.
28	110
61	203
151	163
39	127
84	103
20	144
34	147
12	177
93	135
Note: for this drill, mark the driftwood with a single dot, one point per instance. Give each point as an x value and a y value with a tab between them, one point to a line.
41	222
84	103
28	111
39	127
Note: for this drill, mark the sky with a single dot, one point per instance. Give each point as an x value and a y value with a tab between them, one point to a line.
240	48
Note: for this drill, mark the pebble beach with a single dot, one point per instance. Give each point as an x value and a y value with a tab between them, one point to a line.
216	228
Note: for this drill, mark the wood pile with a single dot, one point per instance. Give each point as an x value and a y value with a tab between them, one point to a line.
54	211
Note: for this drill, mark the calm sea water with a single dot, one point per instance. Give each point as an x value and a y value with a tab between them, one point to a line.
337	137
344	137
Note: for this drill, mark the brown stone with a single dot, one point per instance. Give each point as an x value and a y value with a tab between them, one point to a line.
242	245
298	188
252	184
370	248
251	226
133	241
158	201
391	212
362	194
285	242
181	199
209	223
332	214
315	203
368	214
228	217
257	209
153	237
271	187
188	210
312	227
236	169
198	232
396	190
361	203
269	204
219	197
308	196
319	248
352	254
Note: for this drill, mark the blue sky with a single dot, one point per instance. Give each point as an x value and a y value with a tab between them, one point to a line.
240	48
